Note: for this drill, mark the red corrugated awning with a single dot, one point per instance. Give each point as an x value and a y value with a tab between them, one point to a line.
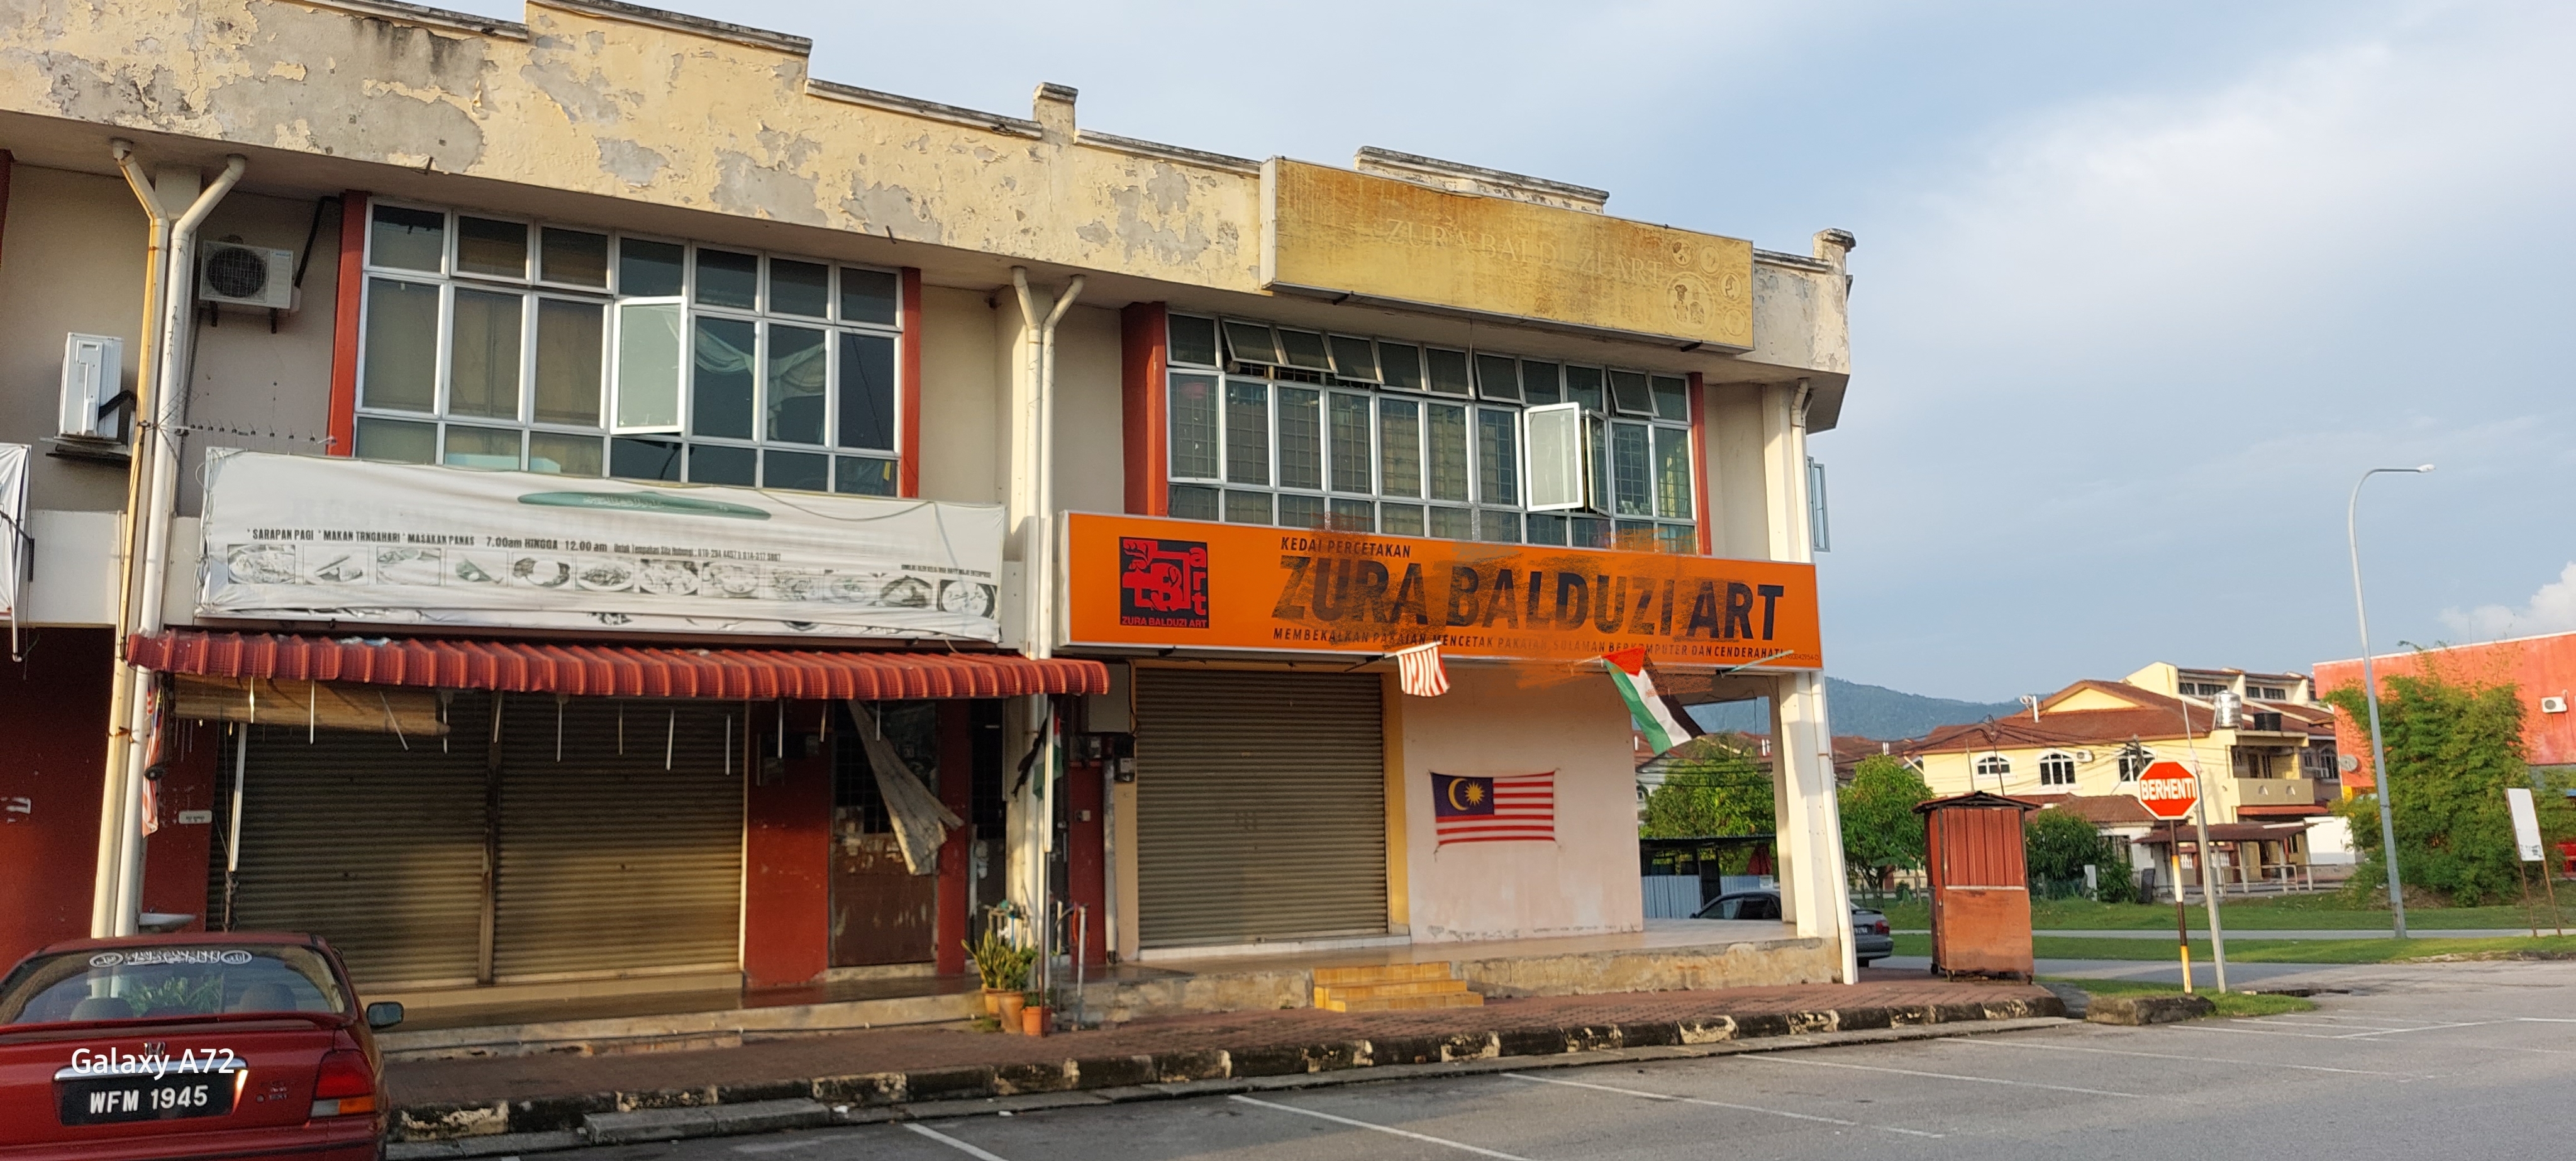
613	670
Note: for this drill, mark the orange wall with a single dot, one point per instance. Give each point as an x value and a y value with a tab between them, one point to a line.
2537	666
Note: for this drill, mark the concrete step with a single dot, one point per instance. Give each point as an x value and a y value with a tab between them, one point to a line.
1407	1003
1405	988
1380	974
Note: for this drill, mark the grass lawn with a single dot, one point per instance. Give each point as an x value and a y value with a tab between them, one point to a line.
2228	1003
2320	912
2287	950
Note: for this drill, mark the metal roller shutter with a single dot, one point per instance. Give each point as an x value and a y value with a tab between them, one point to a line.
370	845
1260	807
611	864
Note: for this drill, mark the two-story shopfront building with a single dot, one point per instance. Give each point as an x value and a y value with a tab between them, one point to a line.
610	512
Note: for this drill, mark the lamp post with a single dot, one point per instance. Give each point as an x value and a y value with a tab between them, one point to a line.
2370	693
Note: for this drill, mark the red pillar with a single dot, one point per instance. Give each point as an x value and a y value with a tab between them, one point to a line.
175	856
787	852
956	783
53	714
1085	865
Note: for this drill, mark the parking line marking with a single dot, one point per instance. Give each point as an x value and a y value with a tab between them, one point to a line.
1459	1145
951	1142
1983	1042
1766	1059
1657	1096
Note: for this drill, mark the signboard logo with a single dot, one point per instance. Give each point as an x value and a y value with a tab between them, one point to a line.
1162	583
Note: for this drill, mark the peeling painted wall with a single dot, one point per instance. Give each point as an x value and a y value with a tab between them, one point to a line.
56	278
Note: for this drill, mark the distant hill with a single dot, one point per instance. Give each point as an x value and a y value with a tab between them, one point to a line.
1870	711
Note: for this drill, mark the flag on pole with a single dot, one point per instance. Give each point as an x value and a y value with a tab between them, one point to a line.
1494	808
1419	671
1661	719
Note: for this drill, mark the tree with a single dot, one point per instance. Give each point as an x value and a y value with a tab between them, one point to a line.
1720	786
2454	745
1881	832
2057	845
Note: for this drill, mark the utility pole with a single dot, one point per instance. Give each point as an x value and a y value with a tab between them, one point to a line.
2379	779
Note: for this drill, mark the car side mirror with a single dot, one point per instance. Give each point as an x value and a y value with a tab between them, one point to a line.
384	1014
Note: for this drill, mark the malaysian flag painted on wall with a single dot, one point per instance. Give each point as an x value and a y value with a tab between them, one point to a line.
1498	808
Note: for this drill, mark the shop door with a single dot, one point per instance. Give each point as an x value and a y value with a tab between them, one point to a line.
1260	806
372	842
882	913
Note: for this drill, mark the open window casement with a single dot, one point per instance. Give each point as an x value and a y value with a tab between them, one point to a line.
647	384
1556	457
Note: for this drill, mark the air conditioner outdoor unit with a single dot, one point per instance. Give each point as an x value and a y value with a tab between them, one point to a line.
2553	705
247	276
94	403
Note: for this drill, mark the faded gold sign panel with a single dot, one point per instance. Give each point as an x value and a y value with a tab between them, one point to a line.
1343	232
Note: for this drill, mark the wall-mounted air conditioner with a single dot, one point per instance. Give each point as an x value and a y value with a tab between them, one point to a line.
2553	705
94	403
239	275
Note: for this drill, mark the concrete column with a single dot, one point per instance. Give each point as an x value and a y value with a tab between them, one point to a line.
1814	892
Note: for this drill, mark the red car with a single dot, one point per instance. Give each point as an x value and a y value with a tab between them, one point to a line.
204	1045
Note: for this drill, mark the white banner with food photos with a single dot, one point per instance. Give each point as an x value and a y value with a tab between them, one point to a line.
307	538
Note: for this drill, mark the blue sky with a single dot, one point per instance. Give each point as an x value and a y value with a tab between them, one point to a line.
2140	287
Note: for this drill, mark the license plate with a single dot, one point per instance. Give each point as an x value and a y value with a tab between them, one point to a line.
113	1099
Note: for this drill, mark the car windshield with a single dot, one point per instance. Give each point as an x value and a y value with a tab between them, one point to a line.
169	980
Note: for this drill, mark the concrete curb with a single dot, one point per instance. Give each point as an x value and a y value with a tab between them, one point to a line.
456	1131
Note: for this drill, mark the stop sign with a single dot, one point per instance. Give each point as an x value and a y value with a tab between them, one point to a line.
2167	790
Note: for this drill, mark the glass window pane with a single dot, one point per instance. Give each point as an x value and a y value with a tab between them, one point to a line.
795	383
1628	393
1447	455
568	344
717	464
1498	377
1678	539
1193	421
863	476
1453	524
1251	343
1545	528
566	455
644	459
869	296
1498	457
1247	507
1189	503
1448	371
1247	436
1539	383
1498	527
1353	516
1350	441
1636	536
1301	440
1628	470
1596	444
802	471
578	257
867	391
648	365
1672	397
1193	340
401	368
397	442
800	288
1354	359
1305	349
1672	473
1591	532
482	447
486	246
1301	511
648	269
1401	364
1400	462
407	239
483	355
1583	385
720	386
726	278
1400	519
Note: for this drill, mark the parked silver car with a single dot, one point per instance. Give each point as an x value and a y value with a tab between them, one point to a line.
1870	940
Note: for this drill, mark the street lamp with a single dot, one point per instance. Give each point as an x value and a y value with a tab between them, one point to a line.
2370	692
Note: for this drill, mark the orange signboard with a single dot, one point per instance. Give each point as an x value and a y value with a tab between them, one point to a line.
1142	581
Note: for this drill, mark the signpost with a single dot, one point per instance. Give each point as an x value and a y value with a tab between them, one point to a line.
2169	792
2527	845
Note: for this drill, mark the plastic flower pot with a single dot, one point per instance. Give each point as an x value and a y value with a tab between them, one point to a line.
1033	1019
1009	1009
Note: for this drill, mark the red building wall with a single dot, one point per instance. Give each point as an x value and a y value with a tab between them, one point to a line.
2538	667
787	859
53	750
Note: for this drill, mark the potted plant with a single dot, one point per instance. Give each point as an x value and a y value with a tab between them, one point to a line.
1003	967
1034	1014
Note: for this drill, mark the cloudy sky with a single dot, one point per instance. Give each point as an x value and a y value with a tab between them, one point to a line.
2141	287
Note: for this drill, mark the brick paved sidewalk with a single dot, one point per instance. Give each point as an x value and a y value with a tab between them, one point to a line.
414	1084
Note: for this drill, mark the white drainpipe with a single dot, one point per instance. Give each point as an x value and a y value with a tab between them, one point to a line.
151	493
1039	573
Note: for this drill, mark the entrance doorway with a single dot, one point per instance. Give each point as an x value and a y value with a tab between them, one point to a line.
882	913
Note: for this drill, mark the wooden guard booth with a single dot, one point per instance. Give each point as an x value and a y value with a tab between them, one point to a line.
1980	885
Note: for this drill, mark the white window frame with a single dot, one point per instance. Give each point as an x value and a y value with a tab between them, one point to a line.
2056	765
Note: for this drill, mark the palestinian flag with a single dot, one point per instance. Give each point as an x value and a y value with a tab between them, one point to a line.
1661	719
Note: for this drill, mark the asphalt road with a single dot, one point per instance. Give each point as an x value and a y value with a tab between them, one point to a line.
2422	1061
